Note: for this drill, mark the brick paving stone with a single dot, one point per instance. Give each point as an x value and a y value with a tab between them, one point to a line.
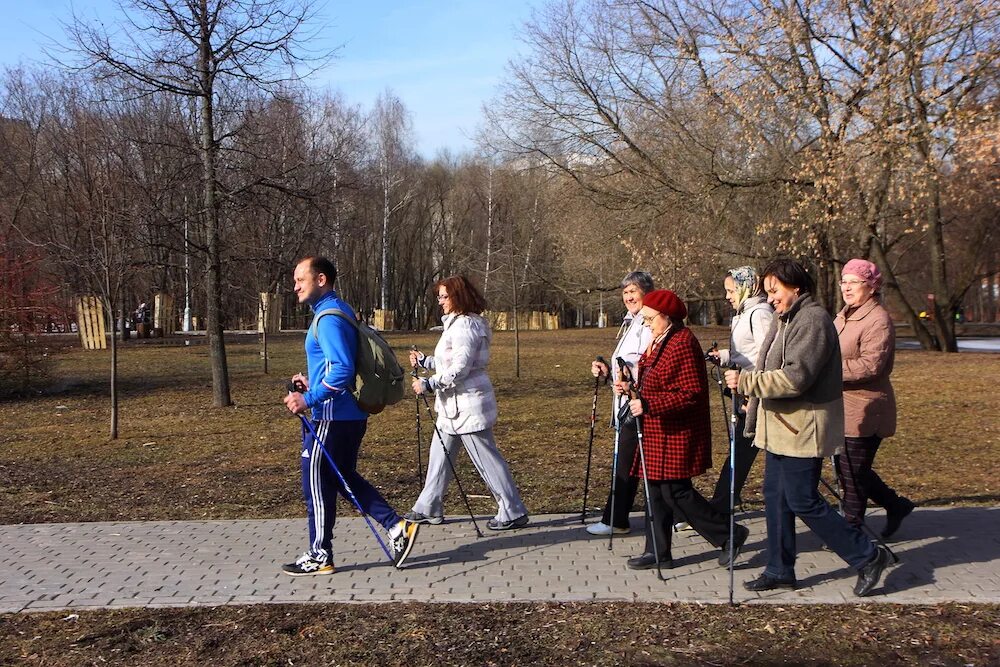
945	556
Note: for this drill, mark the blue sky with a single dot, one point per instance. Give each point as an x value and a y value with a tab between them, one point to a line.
442	58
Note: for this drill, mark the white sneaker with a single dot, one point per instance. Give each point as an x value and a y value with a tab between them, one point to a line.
601	528
681	526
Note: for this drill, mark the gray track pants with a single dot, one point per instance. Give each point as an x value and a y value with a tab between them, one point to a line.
492	467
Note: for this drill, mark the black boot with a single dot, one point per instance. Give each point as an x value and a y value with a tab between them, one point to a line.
894	518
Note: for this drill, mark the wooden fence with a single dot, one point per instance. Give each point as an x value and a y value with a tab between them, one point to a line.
90	322
535	320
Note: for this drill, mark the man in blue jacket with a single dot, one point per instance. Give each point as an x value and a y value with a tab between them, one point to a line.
331	345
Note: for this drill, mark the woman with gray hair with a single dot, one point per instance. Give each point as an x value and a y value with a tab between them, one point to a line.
749	328
868	348
633	339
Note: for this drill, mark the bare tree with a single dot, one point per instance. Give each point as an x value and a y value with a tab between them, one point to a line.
197	49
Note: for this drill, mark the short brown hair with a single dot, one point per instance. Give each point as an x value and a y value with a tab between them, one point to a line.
465	298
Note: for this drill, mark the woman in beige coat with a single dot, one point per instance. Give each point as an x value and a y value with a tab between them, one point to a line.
867	348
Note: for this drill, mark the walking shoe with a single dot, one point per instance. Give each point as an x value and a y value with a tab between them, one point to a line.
414	516
895	518
306	565
402	542
740	534
647	561
682	526
869	575
519	522
766	582
602	529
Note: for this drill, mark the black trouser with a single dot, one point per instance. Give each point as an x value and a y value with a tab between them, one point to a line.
746	454
677	500
625	485
859	482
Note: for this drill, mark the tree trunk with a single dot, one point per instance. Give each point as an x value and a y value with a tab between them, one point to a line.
892	286
213	276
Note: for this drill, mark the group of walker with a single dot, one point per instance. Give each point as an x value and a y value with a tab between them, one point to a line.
804	387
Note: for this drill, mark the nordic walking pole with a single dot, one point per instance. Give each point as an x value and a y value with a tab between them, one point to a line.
307	426
451	465
590	444
864	526
416	403
734	416
614	477
627	376
614	457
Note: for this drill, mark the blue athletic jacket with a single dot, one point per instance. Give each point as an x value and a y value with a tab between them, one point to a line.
331	363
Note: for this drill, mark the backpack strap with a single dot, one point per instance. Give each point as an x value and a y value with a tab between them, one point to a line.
331	311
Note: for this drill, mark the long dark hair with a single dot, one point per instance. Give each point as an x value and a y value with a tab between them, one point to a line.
465	298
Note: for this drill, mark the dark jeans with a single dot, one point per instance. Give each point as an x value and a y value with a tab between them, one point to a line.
320	484
746	454
791	490
859	483
677	500
624	486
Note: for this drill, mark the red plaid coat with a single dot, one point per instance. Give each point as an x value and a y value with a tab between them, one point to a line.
676	426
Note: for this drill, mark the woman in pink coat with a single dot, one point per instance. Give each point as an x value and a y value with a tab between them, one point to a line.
867	347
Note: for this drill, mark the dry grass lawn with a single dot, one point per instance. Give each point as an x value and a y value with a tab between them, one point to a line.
180	458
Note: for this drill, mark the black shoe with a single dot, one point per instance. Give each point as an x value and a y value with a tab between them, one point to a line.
740	534
766	582
647	561
402	543
519	522
869	575
895	518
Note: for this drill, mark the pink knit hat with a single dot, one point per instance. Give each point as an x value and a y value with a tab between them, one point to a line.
865	270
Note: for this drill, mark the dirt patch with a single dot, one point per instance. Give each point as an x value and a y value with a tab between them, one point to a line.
509	634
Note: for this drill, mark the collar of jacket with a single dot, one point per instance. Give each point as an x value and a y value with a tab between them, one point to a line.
322	301
861	311
804	300
748	303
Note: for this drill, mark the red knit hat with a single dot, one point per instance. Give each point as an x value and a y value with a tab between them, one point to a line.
666	302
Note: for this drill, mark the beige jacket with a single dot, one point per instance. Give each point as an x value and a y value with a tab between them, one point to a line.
868	348
797	406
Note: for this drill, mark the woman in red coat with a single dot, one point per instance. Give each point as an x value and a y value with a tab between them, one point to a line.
677	433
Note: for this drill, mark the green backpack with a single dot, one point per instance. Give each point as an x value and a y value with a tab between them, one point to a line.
379	377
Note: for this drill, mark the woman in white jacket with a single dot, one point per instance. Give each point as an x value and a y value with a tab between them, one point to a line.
466	408
750	326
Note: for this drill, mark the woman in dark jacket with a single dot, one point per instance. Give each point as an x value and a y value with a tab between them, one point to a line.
677	433
796	413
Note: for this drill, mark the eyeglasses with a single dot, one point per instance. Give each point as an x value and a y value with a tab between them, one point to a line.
443	297
648	319
851	283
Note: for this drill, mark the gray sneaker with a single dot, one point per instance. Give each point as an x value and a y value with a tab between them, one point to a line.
513	524
416	517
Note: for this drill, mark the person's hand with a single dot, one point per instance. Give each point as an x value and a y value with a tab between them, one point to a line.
416	356
300	379
620	387
417	385
713	355
598	369
295	403
733	379
635	407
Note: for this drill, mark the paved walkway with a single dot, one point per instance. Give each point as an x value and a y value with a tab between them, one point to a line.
947	554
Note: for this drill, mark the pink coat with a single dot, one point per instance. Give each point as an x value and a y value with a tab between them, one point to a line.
868	347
